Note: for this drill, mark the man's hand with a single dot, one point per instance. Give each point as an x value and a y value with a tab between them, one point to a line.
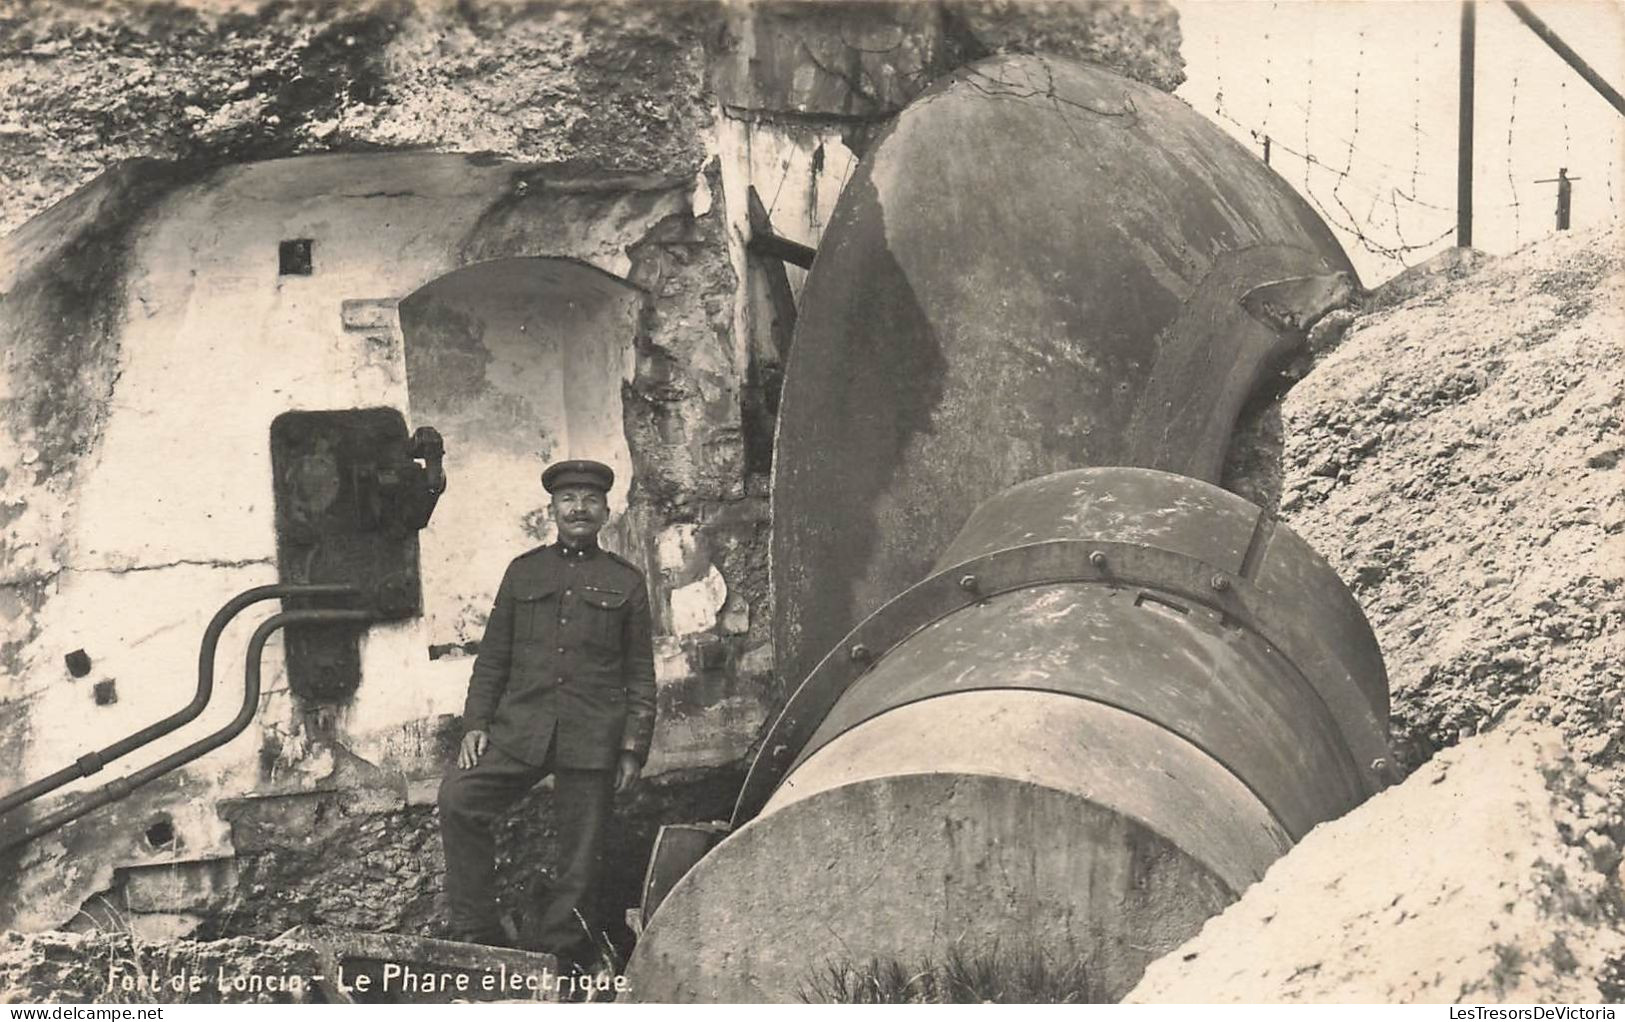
626	772
473	748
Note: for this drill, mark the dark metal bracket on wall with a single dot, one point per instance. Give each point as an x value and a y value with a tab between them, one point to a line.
352	489
765	241
768	253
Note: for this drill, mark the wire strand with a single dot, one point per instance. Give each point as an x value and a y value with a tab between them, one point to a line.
1512	120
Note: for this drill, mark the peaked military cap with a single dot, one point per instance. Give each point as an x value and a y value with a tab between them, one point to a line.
578	473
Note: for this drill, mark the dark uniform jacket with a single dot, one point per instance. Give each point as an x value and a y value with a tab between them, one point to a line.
568	646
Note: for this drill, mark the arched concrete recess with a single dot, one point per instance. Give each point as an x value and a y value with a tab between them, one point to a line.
517	362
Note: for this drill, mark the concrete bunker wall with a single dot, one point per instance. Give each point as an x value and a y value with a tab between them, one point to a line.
435	285
150	339
517	362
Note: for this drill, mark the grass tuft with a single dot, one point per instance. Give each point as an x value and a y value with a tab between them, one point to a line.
960	978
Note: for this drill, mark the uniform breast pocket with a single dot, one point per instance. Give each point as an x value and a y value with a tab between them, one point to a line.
530	609
602	609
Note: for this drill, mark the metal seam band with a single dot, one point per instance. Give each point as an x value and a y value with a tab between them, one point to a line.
952	589
1179	736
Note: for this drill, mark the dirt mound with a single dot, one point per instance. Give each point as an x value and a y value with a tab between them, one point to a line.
1457	458
1490	875
1456	455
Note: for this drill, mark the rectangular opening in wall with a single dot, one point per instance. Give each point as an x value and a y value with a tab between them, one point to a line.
293	258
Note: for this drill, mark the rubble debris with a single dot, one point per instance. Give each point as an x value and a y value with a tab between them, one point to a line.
1491	875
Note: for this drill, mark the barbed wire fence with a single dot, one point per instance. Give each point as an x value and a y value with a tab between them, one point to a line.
1512	180
1401	214
1388	239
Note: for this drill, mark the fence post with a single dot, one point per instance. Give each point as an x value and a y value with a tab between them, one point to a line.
1565	192
1464	136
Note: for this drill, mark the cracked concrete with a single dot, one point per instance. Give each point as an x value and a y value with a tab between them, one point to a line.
144	502
126	569
175	517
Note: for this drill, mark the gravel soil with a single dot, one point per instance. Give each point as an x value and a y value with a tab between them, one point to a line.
1488	876
1457	459
1454	451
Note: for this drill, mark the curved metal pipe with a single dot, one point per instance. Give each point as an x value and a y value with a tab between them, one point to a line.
92	762
1119	697
1080	305
124	786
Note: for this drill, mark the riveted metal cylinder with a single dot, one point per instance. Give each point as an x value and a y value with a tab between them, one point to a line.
1081	721
1141	744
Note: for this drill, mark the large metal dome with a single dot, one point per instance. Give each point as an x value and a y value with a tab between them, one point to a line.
1036	268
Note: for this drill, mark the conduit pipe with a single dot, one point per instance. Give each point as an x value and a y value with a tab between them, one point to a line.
92	762
121	788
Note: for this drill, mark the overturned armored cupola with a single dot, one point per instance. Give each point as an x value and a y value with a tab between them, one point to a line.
1038	267
1081	720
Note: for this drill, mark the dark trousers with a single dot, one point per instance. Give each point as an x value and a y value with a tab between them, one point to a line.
471	800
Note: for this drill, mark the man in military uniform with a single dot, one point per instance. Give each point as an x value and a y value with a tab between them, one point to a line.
563	684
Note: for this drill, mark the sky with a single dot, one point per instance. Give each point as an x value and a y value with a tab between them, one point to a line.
1369	89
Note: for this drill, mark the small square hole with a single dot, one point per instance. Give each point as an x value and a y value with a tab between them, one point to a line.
105	693
293	258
